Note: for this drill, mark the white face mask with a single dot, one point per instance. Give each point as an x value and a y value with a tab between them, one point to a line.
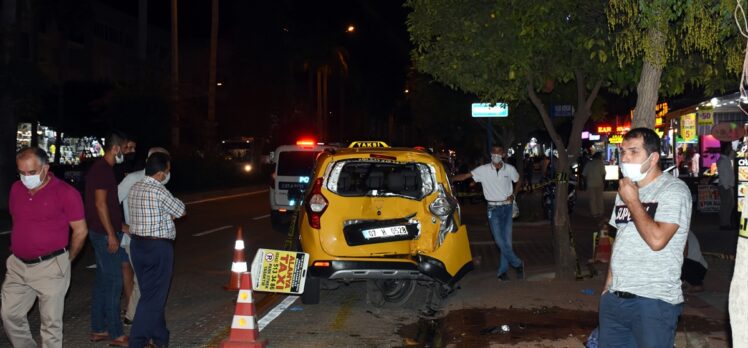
496	159
31	181
166	179
633	171
119	158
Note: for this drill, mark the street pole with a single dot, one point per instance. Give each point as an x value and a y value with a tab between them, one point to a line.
174	76
210	124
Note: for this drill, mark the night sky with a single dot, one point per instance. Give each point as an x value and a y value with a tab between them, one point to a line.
267	49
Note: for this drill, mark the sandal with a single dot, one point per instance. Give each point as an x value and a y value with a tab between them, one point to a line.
98	337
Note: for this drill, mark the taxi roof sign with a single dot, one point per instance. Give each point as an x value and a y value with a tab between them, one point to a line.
368	144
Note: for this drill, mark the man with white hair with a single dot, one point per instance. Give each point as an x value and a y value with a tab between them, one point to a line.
123	189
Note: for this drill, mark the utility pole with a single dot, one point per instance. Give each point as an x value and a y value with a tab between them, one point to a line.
142	30
175	121
210	124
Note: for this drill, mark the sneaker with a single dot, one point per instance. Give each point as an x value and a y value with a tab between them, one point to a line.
503	277
521	271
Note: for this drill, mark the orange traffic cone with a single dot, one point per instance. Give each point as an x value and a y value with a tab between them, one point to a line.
239	265
244	330
603	248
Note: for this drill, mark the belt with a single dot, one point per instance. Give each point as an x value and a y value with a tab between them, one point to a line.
43	258
135	236
498	203
624	294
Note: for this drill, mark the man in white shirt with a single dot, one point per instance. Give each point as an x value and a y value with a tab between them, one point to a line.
500	183
122	191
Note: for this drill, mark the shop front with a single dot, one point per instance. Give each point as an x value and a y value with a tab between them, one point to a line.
697	141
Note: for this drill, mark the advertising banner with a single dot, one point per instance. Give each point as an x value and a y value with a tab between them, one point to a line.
688	128
279	271
706	118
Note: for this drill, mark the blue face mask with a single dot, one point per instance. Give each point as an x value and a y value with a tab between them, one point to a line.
496	159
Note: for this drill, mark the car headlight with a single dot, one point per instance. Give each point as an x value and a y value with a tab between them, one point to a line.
441	207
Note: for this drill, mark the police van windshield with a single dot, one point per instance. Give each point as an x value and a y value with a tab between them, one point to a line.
296	163
381	179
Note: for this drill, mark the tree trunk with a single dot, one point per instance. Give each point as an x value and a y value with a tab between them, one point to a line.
649	82
210	124
175	121
563	251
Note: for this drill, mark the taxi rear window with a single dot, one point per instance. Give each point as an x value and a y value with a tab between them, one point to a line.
296	163
369	178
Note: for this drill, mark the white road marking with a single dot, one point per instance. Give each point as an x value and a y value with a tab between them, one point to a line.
91	266
226	197
270	316
260	217
4	233
211	231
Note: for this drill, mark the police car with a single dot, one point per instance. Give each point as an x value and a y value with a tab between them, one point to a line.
293	165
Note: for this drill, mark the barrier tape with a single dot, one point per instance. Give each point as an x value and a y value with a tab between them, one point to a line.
560	178
720	256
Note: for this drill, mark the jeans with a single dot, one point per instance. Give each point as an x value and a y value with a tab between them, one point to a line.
500	222
105	302
153	261
637	322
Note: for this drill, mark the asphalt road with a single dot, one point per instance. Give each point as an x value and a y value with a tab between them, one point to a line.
197	307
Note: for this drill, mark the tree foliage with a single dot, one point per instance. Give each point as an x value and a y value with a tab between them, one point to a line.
674	44
508	51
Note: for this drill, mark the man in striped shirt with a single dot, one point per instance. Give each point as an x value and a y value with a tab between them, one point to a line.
152	210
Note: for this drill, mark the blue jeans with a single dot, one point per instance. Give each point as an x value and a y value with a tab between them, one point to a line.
153	261
105	302
637	322
500	221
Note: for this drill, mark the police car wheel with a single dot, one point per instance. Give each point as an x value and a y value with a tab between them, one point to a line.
311	291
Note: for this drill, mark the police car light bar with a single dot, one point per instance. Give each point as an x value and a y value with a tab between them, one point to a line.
306	142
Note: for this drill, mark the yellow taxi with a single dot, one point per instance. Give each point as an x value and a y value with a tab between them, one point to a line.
384	215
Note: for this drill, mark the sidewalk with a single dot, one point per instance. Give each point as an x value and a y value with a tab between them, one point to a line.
541	311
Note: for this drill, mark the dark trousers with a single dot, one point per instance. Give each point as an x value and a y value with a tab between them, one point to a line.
692	272
637	322
153	261
726	206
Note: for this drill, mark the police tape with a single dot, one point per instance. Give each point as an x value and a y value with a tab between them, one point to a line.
720	256
560	178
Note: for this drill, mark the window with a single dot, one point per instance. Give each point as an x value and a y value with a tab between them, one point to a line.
376	178
296	163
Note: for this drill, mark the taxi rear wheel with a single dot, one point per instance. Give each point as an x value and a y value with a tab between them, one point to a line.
311	291
397	291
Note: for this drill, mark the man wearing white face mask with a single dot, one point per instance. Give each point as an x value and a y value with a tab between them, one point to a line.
123	189
151	210
43	208
642	298
500	182
104	219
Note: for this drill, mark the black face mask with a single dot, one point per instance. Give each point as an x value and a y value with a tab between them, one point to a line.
130	157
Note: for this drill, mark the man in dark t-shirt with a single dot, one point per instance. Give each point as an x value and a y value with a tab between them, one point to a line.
105	228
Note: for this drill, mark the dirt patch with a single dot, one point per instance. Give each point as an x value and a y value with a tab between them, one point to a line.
479	327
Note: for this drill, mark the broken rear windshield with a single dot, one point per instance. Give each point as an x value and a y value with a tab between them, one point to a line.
377	178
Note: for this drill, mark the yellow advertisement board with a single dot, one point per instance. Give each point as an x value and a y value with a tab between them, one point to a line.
706	118
688	127
279	271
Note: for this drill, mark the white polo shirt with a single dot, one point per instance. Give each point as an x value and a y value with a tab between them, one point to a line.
498	184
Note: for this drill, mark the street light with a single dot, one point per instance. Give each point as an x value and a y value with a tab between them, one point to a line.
219	84
350	29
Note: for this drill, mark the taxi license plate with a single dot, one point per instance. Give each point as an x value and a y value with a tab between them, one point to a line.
385	232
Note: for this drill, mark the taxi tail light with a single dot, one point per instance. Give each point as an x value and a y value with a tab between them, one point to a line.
316	204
